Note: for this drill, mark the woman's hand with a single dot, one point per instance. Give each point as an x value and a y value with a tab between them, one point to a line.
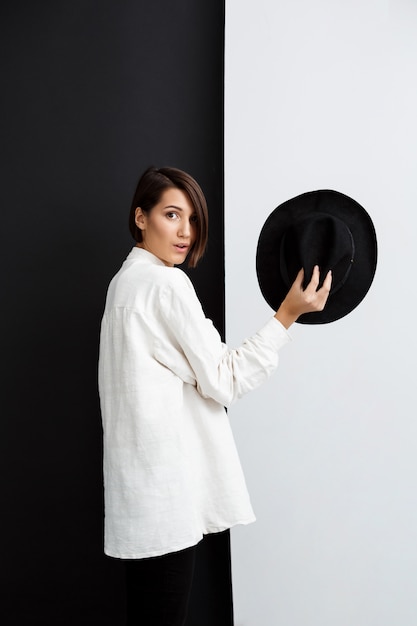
299	300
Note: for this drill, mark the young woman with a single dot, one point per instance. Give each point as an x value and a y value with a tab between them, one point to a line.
171	470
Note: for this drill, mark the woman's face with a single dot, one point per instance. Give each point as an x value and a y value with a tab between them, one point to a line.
169	230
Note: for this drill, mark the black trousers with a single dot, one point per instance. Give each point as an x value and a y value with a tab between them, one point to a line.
158	589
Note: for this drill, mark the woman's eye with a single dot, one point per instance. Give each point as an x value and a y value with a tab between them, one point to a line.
171	215
193	219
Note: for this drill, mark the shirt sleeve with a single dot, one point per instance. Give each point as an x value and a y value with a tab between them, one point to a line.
197	354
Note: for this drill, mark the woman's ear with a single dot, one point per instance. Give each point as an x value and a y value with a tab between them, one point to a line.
139	218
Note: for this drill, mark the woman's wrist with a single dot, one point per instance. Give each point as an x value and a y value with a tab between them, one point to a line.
285	316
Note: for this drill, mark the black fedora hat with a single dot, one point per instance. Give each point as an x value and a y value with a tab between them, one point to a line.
324	228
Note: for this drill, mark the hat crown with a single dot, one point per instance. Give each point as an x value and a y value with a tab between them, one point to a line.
317	239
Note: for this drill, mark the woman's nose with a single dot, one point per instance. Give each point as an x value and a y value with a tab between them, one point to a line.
184	229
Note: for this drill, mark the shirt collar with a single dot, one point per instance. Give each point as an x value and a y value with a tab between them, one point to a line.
142	254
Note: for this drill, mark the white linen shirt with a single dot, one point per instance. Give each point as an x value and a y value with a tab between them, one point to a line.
171	469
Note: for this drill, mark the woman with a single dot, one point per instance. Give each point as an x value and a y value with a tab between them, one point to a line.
171	470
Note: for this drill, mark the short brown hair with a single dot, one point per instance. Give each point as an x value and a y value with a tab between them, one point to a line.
149	190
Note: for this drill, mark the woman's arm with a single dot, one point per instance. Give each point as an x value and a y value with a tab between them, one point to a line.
197	355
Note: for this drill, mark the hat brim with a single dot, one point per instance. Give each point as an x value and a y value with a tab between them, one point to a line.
272	285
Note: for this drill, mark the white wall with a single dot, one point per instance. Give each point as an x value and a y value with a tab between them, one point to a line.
323	94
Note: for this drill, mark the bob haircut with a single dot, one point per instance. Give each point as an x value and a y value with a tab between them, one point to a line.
149	190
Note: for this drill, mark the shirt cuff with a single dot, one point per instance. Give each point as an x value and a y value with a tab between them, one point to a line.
275	333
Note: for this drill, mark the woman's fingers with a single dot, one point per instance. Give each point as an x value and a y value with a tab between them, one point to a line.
319	297
314	298
327	283
308	300
315	278
299	279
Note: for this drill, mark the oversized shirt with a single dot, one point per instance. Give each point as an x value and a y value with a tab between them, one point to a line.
171	469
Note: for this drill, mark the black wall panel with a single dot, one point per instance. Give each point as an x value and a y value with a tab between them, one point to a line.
92	93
